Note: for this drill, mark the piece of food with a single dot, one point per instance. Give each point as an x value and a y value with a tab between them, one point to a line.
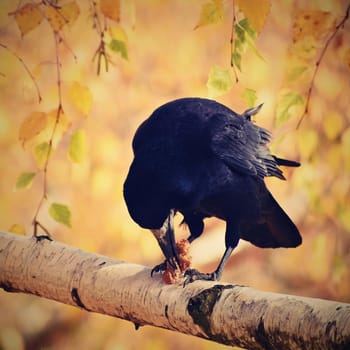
171	275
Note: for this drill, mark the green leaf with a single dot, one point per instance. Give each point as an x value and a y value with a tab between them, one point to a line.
24	180
211	12
244	24
249	95
285	104
245	38
60	213
120	47
295	72
77	146
236	59
219	81
41	153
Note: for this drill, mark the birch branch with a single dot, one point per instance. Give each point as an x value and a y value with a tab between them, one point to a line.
224	313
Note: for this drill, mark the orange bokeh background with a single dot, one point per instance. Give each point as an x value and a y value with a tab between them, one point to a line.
168	59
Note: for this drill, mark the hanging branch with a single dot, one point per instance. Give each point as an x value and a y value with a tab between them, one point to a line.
21	61
232	41
35	221
101	51
318	63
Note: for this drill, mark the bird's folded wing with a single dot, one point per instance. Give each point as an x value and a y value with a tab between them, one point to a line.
241	145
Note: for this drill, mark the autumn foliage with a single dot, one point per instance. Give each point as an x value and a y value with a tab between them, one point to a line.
78	77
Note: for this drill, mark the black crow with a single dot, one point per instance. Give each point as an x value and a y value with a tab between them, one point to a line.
197	157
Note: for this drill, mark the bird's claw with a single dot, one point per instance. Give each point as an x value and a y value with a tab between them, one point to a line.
43	237
192	275
163	266
159	268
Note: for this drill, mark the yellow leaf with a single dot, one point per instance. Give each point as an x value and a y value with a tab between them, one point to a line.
211	12
54	17
77	146
81	97
313	23
118	33
344	216
41	153
307	142
305	48
70	12
62	126
60	16
27	17
111	9
256	11
346	59
332	125
18	229
334	158
345	144
32	126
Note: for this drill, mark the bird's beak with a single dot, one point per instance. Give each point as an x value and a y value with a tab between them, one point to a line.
166	240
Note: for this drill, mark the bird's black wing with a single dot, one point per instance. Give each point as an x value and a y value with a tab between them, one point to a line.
242	146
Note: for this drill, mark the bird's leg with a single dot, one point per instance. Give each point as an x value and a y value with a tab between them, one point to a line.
231	240
166	240
192	275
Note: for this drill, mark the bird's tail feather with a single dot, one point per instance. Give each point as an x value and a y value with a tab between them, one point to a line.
286	162
274	229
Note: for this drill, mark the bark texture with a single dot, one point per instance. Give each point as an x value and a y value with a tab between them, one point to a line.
225	313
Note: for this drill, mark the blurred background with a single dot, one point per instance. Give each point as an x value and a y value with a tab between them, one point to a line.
168	59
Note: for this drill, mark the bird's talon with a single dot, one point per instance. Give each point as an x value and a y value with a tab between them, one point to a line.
43	237
192	275
159	268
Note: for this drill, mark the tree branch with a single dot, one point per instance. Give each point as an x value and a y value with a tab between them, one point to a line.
225	313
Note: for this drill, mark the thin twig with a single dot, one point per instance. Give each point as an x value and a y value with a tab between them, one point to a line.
65	44
101	52
26	69
61	38
318	63
36	223
231	41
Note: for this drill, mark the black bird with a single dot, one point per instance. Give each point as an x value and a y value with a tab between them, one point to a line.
197	157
